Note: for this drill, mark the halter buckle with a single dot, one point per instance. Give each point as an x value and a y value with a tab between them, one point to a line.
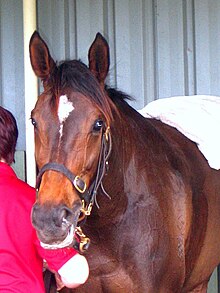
76	182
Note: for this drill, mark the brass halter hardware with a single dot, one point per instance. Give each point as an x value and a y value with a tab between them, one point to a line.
107	132
77	186
85	210
84	241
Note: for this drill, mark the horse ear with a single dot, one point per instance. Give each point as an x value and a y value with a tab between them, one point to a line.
99	58
42	63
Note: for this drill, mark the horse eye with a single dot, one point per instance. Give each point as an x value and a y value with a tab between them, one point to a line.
34	123
98	125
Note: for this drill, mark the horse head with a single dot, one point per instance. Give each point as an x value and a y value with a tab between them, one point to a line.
71	119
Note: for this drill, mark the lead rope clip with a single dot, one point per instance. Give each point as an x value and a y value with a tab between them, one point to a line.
84	241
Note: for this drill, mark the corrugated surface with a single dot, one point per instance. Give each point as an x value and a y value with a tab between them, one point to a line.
11	63
158	48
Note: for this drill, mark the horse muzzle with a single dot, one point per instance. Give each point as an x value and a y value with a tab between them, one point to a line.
54	223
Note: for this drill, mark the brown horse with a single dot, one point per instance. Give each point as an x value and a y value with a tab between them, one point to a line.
150	200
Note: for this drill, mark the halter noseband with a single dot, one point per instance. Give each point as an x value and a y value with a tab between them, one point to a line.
87	195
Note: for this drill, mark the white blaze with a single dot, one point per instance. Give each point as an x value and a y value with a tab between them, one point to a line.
64	109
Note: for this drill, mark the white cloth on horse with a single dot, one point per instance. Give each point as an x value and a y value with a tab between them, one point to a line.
197	117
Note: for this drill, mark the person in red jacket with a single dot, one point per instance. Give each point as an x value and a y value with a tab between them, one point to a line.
21	256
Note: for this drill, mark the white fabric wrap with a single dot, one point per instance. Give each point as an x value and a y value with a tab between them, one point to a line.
75	271
197	117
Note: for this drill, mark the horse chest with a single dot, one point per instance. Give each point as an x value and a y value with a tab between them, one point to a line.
128	263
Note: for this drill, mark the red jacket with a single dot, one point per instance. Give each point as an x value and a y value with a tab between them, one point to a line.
20	261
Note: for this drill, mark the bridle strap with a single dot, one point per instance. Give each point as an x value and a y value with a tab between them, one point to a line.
76	181
54	167
106	148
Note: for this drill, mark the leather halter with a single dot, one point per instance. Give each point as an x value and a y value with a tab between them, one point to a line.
87	195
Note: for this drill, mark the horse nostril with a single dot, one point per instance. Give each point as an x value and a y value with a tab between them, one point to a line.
65	216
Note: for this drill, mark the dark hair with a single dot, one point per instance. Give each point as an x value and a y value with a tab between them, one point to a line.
8	135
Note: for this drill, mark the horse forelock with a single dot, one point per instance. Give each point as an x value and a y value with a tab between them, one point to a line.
75	76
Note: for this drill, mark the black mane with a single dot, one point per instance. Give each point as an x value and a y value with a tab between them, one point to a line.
119	98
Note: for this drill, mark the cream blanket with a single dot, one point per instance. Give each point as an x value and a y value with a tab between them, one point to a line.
197	117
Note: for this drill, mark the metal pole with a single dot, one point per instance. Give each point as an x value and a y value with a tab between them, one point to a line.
218	278
31	87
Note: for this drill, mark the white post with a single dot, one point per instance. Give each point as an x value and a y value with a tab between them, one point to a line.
31	87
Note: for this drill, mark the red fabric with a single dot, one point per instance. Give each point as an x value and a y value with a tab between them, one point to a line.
56	258
20	258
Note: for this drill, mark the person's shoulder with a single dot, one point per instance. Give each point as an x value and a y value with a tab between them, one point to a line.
16	190
25	186
21	187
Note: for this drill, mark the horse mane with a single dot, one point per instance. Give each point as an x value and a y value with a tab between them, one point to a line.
120	100
152	127
118	97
